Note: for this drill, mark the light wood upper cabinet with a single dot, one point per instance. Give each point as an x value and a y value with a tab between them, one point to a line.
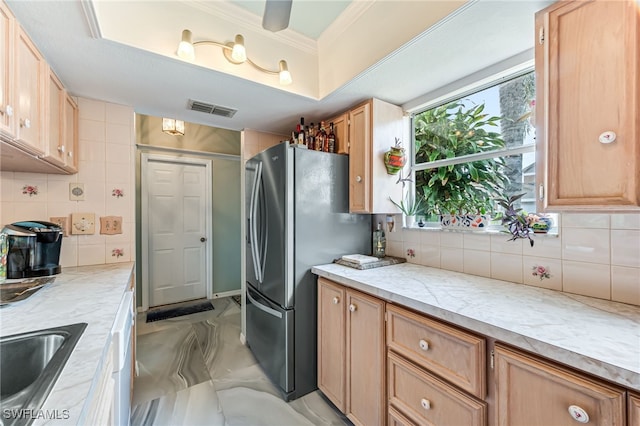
588	88
30	82
70	133
534	392
373	127
55	149
341	130
351	352
7	34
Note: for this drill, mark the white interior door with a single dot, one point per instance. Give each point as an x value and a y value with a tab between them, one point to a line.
177	212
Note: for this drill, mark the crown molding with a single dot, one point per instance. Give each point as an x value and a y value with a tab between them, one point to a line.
91	18
351	14
230	12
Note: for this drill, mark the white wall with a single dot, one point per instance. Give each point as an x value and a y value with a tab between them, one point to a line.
106	162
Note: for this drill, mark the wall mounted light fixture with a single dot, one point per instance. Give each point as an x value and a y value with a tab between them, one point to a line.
173	126
234	52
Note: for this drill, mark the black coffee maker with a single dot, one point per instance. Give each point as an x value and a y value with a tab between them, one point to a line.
34	249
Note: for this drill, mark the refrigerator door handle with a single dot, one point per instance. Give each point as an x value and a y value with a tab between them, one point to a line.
253	237
264	232
262	307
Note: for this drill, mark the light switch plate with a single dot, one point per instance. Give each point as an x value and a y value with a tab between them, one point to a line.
111	225
83	223
76	191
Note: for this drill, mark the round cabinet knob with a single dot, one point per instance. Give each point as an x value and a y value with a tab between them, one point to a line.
353	307
358	179
5	110
26	123
336	300
424	345
426	404
578	414
70	154
607	137
9	110
203	239
61	149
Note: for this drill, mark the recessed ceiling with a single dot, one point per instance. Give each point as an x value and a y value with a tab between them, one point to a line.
155	82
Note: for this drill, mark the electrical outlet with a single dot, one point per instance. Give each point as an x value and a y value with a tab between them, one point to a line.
83	223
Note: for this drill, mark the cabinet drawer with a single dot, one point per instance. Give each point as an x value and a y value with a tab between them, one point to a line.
428	400
455	355
534	392
397	419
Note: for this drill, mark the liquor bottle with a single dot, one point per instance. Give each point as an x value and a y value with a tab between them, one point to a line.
301	140
321	139
311	137
331	139
379	242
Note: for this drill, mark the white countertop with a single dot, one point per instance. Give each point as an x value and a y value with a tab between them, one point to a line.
596	336
90	294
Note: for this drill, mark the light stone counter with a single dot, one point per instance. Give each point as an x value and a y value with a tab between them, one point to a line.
596	336
90	294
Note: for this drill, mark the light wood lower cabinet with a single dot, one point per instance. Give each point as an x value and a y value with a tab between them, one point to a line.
634	409
331	342
531	391
428	400
351	352
453	354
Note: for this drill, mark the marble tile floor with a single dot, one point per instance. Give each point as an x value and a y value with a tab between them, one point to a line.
194	371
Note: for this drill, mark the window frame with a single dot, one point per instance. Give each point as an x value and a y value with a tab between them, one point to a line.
452	95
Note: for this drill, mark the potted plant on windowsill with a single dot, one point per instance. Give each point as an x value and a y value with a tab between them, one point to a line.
514	219
462	194
410	206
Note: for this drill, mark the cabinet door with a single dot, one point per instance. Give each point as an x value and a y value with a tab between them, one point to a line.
341	130
70	133
360	159
7	22
588	67
55	145
30	67
533	392
365	359
331	342
634	409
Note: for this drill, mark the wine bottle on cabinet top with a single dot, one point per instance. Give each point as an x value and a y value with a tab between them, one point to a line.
331	139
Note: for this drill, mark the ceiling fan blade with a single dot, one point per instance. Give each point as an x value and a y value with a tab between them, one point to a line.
276	15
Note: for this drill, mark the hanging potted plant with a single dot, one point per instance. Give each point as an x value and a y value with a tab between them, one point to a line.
395	158
462	194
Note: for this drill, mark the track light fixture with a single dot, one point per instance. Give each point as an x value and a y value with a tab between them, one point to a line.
234	52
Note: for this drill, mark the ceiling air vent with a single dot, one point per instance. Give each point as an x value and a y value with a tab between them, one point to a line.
211	109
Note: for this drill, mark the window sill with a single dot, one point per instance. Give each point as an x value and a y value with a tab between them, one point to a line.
490	230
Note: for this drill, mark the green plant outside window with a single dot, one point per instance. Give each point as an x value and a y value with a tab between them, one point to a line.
472	150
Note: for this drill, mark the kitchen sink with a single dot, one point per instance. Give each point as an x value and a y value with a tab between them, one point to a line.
30	364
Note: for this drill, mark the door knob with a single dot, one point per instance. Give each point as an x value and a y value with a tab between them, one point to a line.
203	239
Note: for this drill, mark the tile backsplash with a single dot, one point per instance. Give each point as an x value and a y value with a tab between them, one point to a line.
106	164
594	255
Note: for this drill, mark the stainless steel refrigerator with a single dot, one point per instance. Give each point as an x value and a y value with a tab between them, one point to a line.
297	204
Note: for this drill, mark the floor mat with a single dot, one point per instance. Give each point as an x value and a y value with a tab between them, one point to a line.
162	314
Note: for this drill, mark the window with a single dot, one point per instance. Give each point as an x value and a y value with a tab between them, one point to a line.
471	149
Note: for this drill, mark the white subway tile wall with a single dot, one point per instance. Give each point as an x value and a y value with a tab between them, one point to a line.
106	162
595	255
